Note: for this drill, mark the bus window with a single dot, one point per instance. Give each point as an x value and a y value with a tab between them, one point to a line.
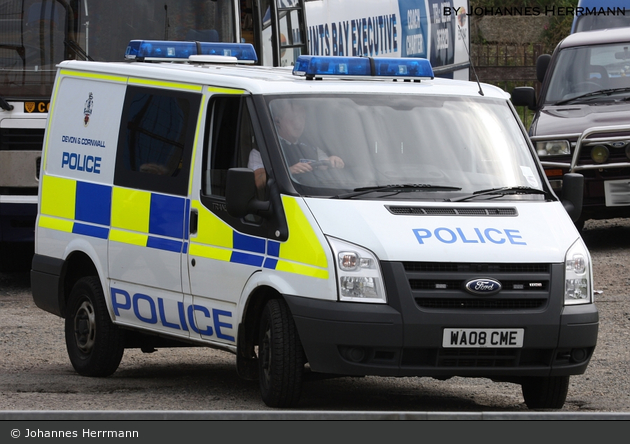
35	35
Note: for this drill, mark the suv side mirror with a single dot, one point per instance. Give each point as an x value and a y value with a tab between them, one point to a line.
524	96
241	194
542	63
573	194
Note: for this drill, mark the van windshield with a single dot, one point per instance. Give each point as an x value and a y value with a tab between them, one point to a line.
431	147
586	70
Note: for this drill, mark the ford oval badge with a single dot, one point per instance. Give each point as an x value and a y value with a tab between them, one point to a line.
483	286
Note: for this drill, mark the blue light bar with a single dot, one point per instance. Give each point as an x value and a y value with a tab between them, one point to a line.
156	49
244	52
142	50
335	66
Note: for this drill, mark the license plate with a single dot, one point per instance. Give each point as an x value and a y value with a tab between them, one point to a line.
483	337
617	192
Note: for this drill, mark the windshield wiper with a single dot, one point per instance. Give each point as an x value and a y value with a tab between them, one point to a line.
396	188
503	191
601	92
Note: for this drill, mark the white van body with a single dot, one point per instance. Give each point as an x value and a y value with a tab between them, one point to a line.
437	250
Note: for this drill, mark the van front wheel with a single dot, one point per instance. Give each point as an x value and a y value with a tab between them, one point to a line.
95	345
545	392
280	356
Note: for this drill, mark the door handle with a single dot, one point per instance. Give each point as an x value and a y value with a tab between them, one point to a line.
194	221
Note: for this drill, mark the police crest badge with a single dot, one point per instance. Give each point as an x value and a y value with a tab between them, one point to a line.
87	110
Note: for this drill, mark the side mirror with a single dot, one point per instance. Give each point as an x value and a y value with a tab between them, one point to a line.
542	63
524	96
573	194
241	194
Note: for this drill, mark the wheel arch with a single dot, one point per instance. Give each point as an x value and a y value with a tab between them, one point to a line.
77	265
250	320
247	334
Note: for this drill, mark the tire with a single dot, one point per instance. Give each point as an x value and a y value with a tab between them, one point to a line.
280	356
579	224
95	345
545	393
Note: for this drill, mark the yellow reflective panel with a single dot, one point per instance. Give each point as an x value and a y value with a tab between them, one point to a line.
217	90
91	75
305	270
165	84
131	209
58	197
303	246
126	237
55	224
211	230
195	144
208	252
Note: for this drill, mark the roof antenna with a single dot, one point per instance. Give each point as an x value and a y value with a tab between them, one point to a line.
167	24
472	65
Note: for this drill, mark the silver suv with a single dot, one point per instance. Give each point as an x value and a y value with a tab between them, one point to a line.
582	119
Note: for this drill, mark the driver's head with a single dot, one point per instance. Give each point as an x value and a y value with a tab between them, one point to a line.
289	117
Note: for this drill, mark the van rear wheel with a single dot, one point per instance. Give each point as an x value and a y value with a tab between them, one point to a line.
545	392
95	345
280	356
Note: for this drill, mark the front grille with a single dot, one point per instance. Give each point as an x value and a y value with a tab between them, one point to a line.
481	304
454	211
16	139
436	267
616	151
489	357
442	286
478	357
428	284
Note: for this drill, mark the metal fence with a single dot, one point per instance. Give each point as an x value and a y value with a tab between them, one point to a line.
508	66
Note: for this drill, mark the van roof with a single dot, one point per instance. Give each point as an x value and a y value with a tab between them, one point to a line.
277	80
599	37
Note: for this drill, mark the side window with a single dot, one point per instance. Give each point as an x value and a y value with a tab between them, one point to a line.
156	140
230	144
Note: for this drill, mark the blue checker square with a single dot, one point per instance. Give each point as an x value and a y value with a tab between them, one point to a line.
273	248
167	216
93	203
248	243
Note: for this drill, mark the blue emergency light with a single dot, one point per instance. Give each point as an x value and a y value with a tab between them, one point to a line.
336	66
159	50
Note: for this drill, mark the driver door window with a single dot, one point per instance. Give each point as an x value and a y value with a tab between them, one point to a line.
231	142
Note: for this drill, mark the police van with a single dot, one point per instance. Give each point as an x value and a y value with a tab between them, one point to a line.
347	216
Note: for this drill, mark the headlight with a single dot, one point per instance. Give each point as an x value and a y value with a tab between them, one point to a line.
577	275
359	277
599	154
553	148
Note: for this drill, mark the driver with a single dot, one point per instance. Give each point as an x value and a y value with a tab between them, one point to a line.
290	120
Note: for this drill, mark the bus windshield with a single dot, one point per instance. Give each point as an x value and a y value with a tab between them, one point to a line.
35	35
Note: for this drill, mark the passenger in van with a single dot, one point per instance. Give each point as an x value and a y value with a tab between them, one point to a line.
153	168
290	120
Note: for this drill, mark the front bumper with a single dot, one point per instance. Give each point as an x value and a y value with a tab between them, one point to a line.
17	221
403	339
614	172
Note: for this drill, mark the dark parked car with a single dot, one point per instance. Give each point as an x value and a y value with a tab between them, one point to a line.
582	119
